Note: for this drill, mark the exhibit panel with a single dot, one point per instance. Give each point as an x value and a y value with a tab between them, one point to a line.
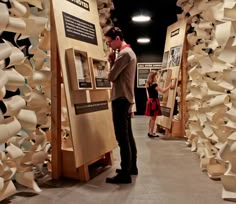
79	39
143	69
170	72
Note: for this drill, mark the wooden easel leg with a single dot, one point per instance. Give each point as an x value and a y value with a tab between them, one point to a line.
167	133
157	128
84	173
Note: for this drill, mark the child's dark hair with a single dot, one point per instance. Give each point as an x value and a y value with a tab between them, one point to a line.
113	32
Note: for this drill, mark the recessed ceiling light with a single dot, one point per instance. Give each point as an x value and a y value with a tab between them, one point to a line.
143	40
141	18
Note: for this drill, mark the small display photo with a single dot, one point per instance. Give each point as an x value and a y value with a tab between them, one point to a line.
79	69
165	59
100	72
175	56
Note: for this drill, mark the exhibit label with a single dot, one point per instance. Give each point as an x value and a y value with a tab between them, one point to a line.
90	107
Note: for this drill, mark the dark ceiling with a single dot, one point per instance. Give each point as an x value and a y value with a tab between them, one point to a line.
163	13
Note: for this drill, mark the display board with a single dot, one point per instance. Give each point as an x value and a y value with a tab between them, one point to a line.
79	38
143	70
171	63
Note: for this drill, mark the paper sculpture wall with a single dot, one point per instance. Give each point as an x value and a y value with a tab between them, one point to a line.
24	92
211	87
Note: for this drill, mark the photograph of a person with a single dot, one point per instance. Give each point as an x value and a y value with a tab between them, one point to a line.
174	56
100	70
82	71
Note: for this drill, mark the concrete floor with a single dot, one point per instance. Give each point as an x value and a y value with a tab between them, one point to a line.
169	173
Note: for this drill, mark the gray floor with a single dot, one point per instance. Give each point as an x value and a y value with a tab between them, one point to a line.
169	173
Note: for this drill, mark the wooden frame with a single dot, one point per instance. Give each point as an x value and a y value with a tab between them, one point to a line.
79	69
100	70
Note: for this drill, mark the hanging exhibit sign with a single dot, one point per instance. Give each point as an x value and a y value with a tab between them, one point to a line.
143	70
171	63
81	3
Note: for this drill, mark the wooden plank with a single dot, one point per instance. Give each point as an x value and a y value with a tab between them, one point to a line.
184	81
55	104
176	130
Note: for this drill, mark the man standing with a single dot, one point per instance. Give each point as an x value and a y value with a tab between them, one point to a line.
122	76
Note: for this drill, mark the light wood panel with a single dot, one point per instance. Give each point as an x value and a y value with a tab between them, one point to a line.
92	132
174	44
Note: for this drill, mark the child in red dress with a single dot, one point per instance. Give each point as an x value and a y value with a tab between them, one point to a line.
153	108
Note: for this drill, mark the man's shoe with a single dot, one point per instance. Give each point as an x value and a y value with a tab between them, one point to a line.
119	179
132	172
152	135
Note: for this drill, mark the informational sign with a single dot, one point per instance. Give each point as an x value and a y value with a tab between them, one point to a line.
79	29
90	107
143	70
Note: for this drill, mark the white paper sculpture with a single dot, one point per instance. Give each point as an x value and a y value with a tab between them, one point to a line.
212	61
228	154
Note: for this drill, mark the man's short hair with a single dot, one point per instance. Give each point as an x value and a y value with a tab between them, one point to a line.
113	32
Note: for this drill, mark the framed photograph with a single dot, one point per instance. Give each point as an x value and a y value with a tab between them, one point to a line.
175	56
79	69
100	73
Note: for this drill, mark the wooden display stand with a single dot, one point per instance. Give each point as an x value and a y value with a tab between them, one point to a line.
175	63
89	110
